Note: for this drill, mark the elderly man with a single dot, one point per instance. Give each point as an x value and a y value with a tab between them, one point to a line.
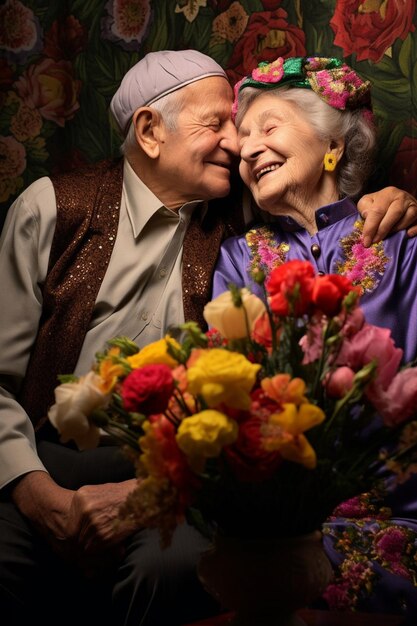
85	257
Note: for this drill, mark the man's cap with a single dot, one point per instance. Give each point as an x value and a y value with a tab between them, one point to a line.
157	75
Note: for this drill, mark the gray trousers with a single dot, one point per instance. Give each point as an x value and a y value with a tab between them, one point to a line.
149	587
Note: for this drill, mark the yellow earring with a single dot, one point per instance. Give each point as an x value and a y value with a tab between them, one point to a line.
329	162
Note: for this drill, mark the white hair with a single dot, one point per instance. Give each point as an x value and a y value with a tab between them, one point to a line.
168	108
351	126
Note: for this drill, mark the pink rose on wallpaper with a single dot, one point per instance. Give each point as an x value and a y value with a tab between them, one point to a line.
26	123
268	35
20	27
12	158
49	86
369	27
403	173
127	22
65	39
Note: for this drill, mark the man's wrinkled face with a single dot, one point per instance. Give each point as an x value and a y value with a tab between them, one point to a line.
196	157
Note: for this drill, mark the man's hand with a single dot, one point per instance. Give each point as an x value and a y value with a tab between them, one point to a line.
387	211
80	526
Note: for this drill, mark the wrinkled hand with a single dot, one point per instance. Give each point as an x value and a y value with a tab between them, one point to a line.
81	526
386	211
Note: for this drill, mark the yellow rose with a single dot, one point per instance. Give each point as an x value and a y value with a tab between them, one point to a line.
223	376
155	353
205	434
284	432
231	321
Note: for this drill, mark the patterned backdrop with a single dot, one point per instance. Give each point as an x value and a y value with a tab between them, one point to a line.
60	63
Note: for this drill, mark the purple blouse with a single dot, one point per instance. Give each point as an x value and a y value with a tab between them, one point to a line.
389	279
369	580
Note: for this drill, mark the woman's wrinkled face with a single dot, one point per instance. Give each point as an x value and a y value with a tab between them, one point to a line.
281	155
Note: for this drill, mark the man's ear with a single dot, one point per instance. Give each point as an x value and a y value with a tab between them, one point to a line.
149	130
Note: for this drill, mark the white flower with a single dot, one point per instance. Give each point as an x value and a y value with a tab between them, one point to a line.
231	321
74	403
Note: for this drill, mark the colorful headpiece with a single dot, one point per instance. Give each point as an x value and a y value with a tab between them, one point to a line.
331	79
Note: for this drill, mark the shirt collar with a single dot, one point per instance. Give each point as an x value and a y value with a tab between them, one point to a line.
137	194
325	216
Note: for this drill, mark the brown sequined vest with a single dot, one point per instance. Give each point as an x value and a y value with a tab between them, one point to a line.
87	217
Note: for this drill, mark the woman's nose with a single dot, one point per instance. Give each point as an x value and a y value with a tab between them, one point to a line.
251	149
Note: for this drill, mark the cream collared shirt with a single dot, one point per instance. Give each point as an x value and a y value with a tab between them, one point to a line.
139	296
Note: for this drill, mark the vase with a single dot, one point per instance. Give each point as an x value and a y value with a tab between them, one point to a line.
264	582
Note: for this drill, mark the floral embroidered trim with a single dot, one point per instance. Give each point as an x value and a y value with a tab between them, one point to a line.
362	265
266	254
372	550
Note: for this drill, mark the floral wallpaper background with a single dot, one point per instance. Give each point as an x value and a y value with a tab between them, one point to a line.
61	62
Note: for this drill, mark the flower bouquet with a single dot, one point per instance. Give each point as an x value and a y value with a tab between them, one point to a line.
260	426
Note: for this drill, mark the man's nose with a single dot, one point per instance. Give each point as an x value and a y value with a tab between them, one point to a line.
229	140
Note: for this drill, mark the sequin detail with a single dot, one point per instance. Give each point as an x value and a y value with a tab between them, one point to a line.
266	254
364	267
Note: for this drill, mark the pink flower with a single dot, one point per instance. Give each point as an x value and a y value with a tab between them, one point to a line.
399	401
372	342
340	382
50	87
19	32
390	543
312	342
337	596
354	322
12	158
354	507
127	22
269	72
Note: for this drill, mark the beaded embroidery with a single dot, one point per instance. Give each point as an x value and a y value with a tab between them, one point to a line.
363	266
266	254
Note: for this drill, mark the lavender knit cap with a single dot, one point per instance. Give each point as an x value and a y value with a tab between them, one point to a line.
157	75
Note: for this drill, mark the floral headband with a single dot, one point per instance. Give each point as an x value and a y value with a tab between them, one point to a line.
331	79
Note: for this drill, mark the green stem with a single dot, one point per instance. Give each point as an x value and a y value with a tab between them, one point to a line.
122	433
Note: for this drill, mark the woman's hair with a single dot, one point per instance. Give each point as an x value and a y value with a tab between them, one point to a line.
168	107
352	126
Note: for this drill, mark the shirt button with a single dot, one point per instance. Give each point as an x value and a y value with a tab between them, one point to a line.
316	250
162	272
144	316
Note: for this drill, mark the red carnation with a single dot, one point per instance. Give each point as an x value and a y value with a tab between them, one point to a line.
291	284
148	389
329	292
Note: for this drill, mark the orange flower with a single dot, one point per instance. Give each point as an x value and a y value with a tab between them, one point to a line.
110	371
282	388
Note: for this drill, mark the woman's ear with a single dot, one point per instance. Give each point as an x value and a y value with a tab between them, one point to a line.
337	148
149	130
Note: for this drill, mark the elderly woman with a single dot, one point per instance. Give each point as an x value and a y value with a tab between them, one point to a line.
307	142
